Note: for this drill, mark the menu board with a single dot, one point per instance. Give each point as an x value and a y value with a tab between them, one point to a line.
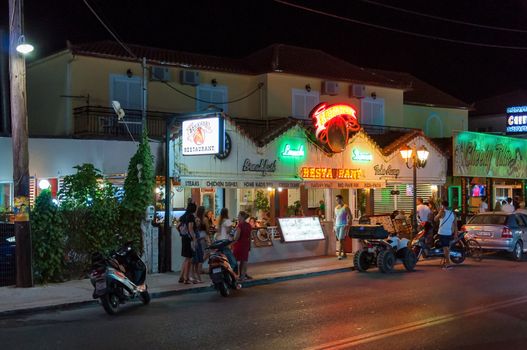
301	229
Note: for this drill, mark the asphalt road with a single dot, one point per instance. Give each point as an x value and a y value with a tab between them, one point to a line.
474	306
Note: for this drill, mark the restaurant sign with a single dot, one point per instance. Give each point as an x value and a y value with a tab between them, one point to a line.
203	136
331	173
345	184
334	123
485	155
201	183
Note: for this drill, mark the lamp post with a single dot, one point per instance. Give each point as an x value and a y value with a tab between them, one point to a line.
414	158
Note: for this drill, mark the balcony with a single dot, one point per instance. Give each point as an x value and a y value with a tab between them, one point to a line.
95	122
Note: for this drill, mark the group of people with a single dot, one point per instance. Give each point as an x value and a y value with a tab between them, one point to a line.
198	230
509	205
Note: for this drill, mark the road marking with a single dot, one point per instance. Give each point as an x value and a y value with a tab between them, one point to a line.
408	327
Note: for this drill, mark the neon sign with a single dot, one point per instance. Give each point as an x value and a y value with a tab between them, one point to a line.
333	124
517	119
289	152
361	156
331	173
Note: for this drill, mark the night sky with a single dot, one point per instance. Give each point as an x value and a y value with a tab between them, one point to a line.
237	28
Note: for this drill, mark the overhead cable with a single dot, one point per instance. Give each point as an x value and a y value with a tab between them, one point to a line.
420	35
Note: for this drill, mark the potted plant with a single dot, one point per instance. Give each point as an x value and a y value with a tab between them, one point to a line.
261	203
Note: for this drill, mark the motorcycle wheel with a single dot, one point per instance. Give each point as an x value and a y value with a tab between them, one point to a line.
145	297
361	261
224	289
459	249
409	259
385	261
110	303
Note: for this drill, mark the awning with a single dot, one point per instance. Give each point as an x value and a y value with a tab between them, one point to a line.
240	183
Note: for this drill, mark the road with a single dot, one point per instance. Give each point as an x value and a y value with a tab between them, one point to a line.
473	306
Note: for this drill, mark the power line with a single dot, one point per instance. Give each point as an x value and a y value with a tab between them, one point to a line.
131	53
420	35
444	19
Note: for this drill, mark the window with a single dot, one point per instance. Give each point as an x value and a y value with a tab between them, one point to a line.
126	90
6	195
211	95
303	102
372	111
434	126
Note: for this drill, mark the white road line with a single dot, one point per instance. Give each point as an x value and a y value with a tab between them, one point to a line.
408	327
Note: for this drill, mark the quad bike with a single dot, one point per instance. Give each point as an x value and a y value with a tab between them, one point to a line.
380	249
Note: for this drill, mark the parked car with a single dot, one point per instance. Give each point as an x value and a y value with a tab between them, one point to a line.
499	231
7	258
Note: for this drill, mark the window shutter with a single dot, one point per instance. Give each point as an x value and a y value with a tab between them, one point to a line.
217	96
303	102
120	92
298	106
135	95
311	101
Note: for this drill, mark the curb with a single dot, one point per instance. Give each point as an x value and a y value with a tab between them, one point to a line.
169	293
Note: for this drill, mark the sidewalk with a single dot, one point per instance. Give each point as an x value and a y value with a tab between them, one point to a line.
78	293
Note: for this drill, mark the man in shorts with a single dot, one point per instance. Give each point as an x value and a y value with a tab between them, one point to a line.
447	230
343	218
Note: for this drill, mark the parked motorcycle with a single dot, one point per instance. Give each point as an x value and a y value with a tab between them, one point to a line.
119	278
221	272
427	245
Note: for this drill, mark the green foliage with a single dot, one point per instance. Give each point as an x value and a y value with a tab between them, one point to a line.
261	202
294	209
90	212
47	239
138	192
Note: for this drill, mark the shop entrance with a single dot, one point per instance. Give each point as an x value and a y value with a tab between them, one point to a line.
454	197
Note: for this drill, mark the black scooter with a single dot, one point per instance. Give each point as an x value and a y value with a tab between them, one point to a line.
221	272
422	247
118	278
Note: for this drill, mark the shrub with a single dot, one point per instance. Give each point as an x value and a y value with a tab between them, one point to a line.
48	239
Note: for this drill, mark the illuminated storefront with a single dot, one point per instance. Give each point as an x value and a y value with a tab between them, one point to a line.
489	166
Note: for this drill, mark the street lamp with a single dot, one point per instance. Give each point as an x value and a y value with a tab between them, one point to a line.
414	158
23	47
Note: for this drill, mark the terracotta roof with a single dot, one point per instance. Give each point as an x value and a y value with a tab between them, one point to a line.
274	58
498	104
261	132
422	93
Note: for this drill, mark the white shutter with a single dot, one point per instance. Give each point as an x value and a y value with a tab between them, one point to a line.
135	97
119	91
383	200
126	90
372	111
303	102
211	95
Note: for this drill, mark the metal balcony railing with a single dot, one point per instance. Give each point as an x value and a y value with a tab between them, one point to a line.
102	123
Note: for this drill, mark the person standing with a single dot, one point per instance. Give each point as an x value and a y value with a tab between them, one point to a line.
423	211
201	245
343	218
242	244
508	207
483	206
446	230
223	232
187	232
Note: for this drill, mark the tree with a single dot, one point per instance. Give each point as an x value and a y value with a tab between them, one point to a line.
138	192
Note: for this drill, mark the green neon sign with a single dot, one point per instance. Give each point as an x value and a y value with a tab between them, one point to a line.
359	156
291	152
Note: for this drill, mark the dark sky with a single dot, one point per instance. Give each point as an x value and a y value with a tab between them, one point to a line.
237	28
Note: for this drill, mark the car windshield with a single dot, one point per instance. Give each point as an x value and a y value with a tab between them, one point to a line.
488	220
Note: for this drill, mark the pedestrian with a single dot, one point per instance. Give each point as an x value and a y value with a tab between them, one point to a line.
447	230
507	206
242	244
343	218
201	244
497	207
211	227
483	206
423	211
224	227
186	229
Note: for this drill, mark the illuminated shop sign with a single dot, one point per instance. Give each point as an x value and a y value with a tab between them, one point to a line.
485	155
331	173
345	184
386	171
359	156
334	123
517	119
203	136
293	152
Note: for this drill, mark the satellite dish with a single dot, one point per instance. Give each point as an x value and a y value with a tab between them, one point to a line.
118	110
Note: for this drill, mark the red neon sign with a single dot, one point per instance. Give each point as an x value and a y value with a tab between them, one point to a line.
334	123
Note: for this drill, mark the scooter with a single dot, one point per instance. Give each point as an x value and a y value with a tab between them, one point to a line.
422	248
221	272
119	278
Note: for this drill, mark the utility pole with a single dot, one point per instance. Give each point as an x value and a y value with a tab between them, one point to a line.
144	95
19	130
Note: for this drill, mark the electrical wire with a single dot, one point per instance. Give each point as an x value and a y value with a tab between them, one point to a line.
131	53
444	19
426	36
